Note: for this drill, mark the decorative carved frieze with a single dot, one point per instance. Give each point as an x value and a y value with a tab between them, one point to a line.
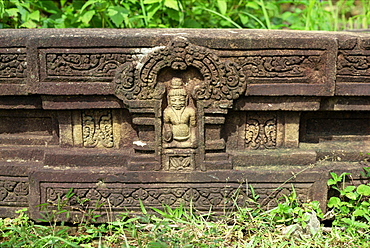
82	64
13	65
261	130
13	192
216	196
280	66
350	64
200	196
221	80
353	70
97	128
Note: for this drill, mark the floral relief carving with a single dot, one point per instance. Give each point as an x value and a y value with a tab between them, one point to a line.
261	131
13	65
95	65
180	162
353	65
201	197
279	66
97	128
13	192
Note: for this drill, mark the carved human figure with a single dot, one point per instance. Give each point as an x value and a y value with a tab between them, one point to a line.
179	118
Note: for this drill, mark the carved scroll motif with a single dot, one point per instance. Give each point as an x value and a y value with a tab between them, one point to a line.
97	126
221	80
279	66
74	64
13	65
201	197
13	192
350	65
261	132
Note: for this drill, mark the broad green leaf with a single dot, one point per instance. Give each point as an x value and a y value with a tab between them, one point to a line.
171	4
363	190
333	202
252	5
244	19
62	2
352	195
331	182
29	24
358	212
335	176
349	189
35	15
222	6
117	14
13	12
87	16
173	14
286	15
270	5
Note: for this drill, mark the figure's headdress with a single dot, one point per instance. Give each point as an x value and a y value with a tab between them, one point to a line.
177	88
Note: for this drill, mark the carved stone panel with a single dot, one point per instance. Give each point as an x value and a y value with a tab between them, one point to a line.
81	64
97	128
353	70
121	196
179	159
13	65
163	117
215	196
13	70
274	72
14	191
261	130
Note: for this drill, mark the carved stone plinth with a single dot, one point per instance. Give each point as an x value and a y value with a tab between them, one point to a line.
179	159
195	117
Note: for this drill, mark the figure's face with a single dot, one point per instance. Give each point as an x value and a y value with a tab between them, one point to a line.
177	102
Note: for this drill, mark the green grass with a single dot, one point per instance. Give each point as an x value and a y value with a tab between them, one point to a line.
289	224
330	15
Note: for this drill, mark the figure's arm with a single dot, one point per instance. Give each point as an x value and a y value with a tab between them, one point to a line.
193	119
167	127
193	123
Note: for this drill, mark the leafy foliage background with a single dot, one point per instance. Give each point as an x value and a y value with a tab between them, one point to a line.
257	14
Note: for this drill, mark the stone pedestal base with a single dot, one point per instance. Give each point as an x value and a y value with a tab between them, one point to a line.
179	159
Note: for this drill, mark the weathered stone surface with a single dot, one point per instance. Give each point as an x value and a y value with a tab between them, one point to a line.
179	116
353	71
